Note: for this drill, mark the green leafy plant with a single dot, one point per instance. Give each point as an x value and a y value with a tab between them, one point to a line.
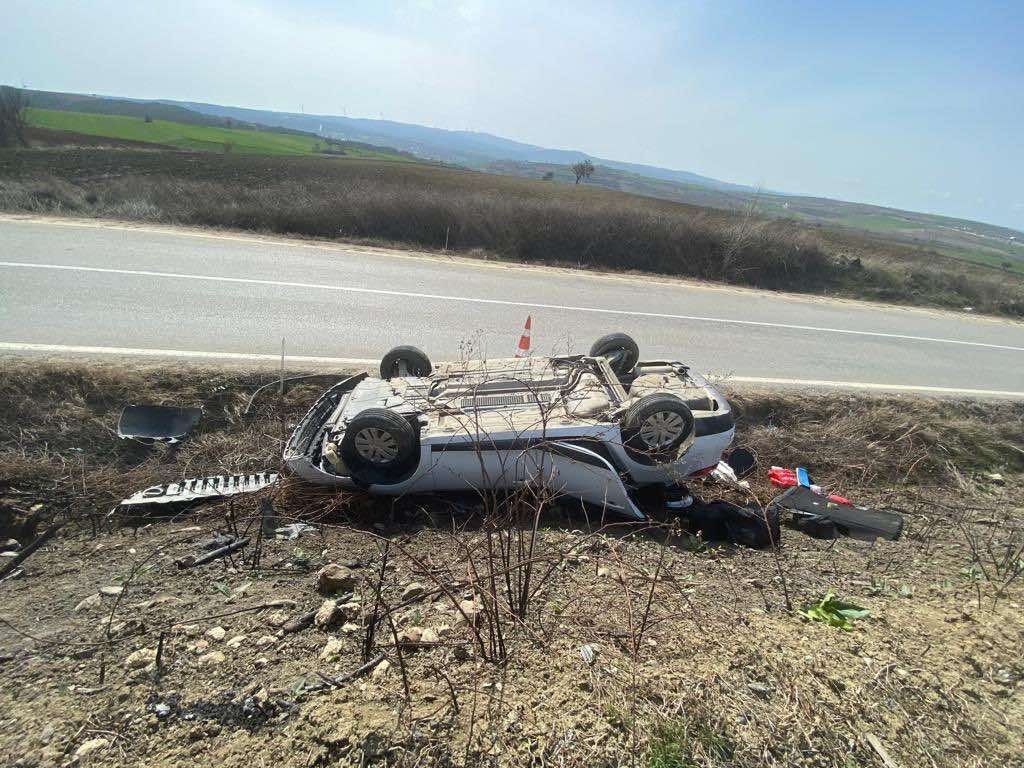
834	612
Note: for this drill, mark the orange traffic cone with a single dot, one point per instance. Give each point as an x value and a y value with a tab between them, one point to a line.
523	350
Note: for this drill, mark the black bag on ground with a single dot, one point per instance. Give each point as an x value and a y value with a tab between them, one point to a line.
725	521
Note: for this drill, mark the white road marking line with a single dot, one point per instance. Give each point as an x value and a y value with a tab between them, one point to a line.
186	353
500	302
872	386
11	346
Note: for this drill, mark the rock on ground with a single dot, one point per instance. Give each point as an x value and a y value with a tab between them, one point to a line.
86	748
92	601
332	650
334	578
141	658
327	614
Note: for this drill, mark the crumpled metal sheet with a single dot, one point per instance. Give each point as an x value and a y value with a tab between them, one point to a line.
157	423
214	486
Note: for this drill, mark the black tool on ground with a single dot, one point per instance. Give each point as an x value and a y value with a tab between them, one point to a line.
818	516
742	460
157	423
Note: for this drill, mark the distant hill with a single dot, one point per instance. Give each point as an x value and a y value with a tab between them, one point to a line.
462	147
103	105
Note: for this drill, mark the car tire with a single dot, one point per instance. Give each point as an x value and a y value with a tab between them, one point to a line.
415	360
656	427
379	447
622	352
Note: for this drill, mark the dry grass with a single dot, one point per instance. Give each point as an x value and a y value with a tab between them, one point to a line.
428	206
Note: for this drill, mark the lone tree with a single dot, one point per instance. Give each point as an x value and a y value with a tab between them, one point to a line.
583	170
12	116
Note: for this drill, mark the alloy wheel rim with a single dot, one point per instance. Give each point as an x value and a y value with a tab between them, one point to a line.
661	429
376	445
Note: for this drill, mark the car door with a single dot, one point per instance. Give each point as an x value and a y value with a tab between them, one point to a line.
572	470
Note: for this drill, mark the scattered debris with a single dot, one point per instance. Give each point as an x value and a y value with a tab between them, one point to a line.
24	554
192	561
720	520
300	622
150	424
742	460
880	750
588	653
161	598
337	682
781	477
725	474
295	530
823	517
199	488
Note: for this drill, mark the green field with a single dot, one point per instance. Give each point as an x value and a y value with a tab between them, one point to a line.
876	222
197	137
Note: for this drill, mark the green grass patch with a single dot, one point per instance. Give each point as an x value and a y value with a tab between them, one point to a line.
986	258
197	137
876	222
682	743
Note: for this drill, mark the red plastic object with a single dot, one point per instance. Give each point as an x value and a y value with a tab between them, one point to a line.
839	499
782	477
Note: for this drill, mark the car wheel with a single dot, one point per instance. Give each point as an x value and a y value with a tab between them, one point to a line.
379	446
405	361
622	352
655	427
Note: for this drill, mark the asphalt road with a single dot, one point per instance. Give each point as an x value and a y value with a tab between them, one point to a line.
96	288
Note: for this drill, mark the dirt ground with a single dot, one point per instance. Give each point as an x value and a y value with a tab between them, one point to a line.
634	645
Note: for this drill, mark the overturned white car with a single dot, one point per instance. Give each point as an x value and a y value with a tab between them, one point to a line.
601	427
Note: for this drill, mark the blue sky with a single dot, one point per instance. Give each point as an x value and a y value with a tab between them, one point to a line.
917	105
